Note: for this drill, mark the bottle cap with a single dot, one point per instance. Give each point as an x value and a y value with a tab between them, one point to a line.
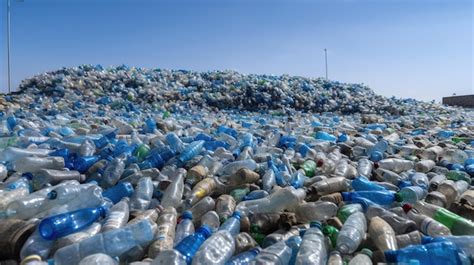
237	214
407	207
367	252
315	224
206	230
398	197
187	215
30	258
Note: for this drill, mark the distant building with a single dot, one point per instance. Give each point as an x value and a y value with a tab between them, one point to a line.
466	101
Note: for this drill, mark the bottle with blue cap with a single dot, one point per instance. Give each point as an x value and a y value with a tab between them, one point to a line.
117	192
191	244
184	228
57	226
313	246
232	224
245	257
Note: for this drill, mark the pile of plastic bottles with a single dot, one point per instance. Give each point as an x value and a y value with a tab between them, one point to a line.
128	166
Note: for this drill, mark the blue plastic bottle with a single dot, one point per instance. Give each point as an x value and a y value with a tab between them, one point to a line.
175	143
294	243
191	244
465	243
325	136
439	253
60	225
117	192
378	197
363	184
82	164
232	224
192	150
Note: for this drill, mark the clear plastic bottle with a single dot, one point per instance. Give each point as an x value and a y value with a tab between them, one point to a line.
452	190
285	198
330	185
165	233
278	254
202	207
335	258
184	228
352	233
412	238
313	246
457	224
382	234
394	164
98	259
315	211
225	206
169	257
141	198
364	167
117	216
138	234
113	172
174	192
217	249
33	164
211	219
425	165
427	225
364	257
244	257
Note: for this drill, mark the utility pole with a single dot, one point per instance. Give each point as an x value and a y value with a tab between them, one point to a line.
326	57
8	48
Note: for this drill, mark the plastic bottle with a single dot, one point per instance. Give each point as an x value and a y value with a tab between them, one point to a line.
244	257
225	206
191	151
278	253
425	165
313	246
217	249
465	243
98	259
427	225
457	224
166	231
335	258
202	189
316	211
53	177
433	253
364	167
112	173
411	194
330	185
139	234
174	193
184	228
364	257
400	224
142	195
33	164
190	244
36	245
352	233
345	211
211	219
363	184
117	216
382	234
452	190
378	197
61	225
412	238
90	231
232	224
394	164
117	192
169	257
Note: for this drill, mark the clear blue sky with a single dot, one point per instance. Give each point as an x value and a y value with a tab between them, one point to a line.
407	48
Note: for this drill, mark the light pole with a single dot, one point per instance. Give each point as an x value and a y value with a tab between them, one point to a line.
8	47
326	57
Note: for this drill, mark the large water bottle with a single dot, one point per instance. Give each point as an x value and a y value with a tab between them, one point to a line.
190	244
217	249
313	247
61	225
352	233
124	239
232	224
184	228
465	243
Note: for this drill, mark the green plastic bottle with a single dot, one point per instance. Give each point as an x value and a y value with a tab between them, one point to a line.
456	175
142	152
239	194
457	224
331	232
345	211
309	167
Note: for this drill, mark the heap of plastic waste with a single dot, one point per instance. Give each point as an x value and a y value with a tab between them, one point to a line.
133	166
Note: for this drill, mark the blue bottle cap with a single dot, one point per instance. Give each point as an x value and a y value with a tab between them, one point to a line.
205	230
315	224
188	215
237	215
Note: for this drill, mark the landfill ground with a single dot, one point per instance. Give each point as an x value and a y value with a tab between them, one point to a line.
105	165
